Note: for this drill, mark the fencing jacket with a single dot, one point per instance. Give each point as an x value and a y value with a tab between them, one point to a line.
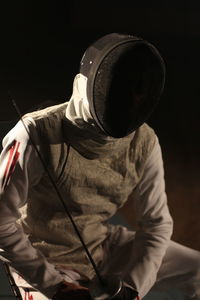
96	174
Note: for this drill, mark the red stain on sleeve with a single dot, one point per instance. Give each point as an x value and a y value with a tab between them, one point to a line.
11	163
28	296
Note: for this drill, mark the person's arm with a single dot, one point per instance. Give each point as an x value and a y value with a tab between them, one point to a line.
155	224
19	168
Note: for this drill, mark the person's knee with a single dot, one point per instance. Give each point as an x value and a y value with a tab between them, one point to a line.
194	275
195	264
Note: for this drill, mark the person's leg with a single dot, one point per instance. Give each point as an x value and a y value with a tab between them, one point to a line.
117	250
180	269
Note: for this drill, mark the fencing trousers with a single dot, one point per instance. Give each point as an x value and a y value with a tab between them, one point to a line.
180	268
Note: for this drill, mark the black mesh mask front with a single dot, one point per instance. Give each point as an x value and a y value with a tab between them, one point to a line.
125	86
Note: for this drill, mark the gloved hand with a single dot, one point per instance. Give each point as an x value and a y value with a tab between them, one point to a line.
113	288
72	291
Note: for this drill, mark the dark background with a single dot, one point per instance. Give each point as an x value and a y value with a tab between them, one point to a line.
41	44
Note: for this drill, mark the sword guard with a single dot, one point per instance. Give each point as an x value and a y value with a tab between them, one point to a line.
106	290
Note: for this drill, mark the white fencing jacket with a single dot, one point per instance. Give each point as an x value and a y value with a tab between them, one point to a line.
21	168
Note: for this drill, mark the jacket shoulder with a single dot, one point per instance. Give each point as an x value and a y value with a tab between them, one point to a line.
142	145
48	123
147	136
48	112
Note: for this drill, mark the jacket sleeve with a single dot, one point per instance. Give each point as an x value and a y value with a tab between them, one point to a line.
20	168
154	224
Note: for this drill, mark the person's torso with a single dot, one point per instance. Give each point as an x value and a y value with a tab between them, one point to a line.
92	189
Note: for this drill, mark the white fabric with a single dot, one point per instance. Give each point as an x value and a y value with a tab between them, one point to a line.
29	293
78	109
179	270
182	273
146	247
151	205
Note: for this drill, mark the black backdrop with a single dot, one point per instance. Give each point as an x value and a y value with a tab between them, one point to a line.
41	46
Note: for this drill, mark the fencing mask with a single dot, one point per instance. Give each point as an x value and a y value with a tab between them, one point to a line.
125	78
